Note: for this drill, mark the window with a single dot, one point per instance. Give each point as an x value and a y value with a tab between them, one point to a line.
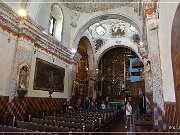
100	30
56	21
52	25
132	28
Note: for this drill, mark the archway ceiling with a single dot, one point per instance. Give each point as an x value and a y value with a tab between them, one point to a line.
111	27
89	6
116	31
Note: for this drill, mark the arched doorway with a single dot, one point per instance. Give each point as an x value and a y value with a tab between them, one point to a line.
119	78
85	63
175	54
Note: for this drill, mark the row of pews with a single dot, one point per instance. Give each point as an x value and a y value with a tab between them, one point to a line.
67	123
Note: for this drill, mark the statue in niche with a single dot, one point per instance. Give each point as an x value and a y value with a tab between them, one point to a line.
148	70
23	81
23	75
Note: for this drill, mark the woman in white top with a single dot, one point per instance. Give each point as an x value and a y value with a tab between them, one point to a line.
128	113
103	106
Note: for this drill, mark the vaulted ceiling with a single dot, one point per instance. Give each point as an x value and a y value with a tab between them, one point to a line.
89	6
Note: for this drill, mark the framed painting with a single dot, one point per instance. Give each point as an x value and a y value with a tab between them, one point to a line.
48	76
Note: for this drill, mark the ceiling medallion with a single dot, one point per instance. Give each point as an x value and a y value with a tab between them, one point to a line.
117	31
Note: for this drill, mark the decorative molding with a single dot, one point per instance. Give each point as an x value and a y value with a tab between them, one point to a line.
77	57
27	29
157	81
152	21
74	19
118	31
95	5
118	42
156	73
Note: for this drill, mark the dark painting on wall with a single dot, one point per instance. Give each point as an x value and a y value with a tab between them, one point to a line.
48	76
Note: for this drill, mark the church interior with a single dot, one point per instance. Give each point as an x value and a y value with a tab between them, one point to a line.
89	67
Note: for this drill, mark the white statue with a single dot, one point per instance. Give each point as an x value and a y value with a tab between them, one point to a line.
23	78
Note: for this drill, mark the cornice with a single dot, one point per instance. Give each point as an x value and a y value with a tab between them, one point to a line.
28	29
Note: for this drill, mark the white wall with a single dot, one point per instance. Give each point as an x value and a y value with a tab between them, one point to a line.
6	60
43	16
13	54
15	5
166	14
34	7
40	93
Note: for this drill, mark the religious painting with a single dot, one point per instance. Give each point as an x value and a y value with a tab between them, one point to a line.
48	76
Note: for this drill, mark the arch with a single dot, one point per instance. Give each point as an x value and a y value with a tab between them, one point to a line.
116	46
104	17
85	64
89	52
175	55
114	67
98	56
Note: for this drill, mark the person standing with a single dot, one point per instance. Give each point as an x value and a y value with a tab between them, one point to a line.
78	103
128	113
87	103
103	106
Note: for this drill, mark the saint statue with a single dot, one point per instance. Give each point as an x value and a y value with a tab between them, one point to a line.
75	86
23	78
148	70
